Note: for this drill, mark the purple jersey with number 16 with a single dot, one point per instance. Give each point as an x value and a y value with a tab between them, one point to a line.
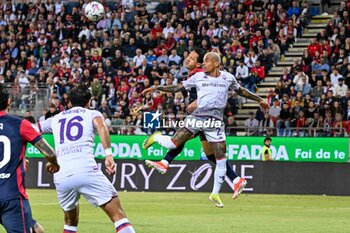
74	134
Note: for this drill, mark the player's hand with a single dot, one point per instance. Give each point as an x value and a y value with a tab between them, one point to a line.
52	168
264	104
150	89
110	165
192	107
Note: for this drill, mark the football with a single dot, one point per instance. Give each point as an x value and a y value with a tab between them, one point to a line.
94	11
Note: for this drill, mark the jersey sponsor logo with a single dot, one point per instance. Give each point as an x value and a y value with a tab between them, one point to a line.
5	175
213	85
1	126
71	150
75	110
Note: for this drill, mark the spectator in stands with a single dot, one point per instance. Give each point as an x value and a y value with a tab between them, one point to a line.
335	76
174	59
294	9
28	116
231	126
283	121
303	86
242	74
298	100
139	57
281	89
266	126
328	122
286	77
340	88
251	125
72	51
274	111
318	67
301	123
314	47
341	127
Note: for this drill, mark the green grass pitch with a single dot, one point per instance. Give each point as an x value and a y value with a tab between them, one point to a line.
170	212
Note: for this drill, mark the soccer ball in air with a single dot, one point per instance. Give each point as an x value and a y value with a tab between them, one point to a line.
94	11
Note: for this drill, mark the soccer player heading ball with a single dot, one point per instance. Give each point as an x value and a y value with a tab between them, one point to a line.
212	86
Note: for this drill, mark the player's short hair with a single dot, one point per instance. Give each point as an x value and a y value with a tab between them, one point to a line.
214	55
4	97
200	53
267	139
79	95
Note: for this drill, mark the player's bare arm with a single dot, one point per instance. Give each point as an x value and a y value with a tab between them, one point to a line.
52	165
170	88
106	143
245	93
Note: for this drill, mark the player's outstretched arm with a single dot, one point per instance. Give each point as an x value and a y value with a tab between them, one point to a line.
52	166
171	88
245	93
103	131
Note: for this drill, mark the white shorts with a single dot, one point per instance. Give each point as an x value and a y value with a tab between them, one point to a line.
94	186
214	133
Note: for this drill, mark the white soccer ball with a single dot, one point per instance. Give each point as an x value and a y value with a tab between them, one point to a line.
94	11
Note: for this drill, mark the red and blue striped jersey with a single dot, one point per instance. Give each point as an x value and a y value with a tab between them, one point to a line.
14	135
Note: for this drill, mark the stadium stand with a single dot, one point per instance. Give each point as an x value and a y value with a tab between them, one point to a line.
46	48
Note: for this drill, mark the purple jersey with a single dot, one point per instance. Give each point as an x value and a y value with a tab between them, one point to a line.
14	135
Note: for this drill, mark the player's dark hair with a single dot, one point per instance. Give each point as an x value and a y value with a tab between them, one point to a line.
200	53
268	139
79	95
4	97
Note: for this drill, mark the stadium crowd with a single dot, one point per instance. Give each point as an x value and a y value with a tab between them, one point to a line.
314	91
51	44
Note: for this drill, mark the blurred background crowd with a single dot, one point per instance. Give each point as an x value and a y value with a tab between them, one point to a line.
48	47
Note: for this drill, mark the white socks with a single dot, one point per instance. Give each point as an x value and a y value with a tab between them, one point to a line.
235	181
70	229
165	141
219	175
166	163
123	226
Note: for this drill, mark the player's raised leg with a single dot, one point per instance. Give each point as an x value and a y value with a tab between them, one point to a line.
180	137
162	166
